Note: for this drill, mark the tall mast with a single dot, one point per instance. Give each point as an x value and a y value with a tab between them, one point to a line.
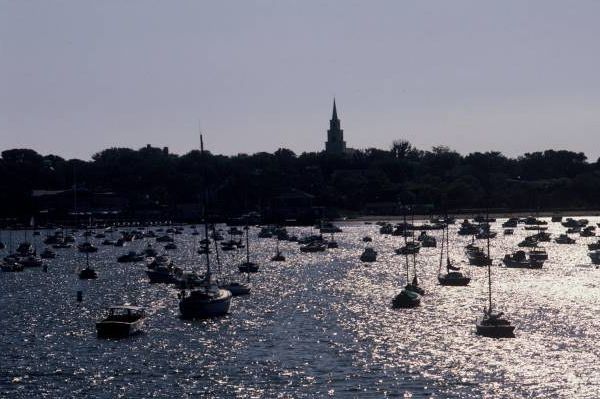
447	244
247	244
204	201
405	247
489	261
442	251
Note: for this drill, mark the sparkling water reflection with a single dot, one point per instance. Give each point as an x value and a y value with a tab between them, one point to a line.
316	325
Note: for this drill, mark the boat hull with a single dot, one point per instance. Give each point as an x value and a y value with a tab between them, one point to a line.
113	329
454	282
248	267
405	300
160	277
495	331
203	308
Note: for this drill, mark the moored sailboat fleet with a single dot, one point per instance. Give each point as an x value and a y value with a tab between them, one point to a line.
203	294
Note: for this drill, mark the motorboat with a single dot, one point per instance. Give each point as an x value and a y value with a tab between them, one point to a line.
165	238
538	254
236	289
542	236
368	255
564	239
520	260
161	274
8	265
528	242
25	249
409	248
48	254
248	267
121	321
328	228
150	251
477	257
588	232
31	261
87	247
593	246
131	256
454	278
185	279
426	240
62	245
170	246
386	229
510	223
88	274
314	246
265	232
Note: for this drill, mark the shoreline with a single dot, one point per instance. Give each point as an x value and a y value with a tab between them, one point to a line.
470	215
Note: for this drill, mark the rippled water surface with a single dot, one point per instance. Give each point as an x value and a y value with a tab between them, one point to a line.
316	325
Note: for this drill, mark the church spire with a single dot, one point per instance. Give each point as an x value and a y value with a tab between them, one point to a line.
334	116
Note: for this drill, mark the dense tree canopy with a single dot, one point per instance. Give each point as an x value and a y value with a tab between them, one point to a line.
441	177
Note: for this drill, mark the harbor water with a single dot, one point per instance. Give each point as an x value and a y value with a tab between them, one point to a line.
317	325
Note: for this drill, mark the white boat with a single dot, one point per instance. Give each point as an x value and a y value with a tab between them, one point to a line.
122	321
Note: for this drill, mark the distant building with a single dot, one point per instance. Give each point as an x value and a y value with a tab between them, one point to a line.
335	135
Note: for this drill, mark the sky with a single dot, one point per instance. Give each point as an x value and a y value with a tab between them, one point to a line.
514	76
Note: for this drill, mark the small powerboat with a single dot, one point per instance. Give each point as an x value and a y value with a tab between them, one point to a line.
121	322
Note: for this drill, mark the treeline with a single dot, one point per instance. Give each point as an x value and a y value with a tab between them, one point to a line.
440	177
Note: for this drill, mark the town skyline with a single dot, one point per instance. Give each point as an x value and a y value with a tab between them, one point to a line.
513	77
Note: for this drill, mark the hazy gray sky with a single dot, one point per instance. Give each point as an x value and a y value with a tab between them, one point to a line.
515	76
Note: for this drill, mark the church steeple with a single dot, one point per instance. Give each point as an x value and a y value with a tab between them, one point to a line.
335	135
334	115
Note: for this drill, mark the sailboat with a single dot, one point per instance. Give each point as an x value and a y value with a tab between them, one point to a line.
493	324
207	300
453	275
87	273
408	296
248	266
414	284
234	287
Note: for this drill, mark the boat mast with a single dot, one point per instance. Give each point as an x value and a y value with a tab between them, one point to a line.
447	247
442	251
489	262
247	244
412	217
204	201
405	245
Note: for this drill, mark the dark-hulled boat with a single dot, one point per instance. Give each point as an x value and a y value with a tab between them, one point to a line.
121	322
